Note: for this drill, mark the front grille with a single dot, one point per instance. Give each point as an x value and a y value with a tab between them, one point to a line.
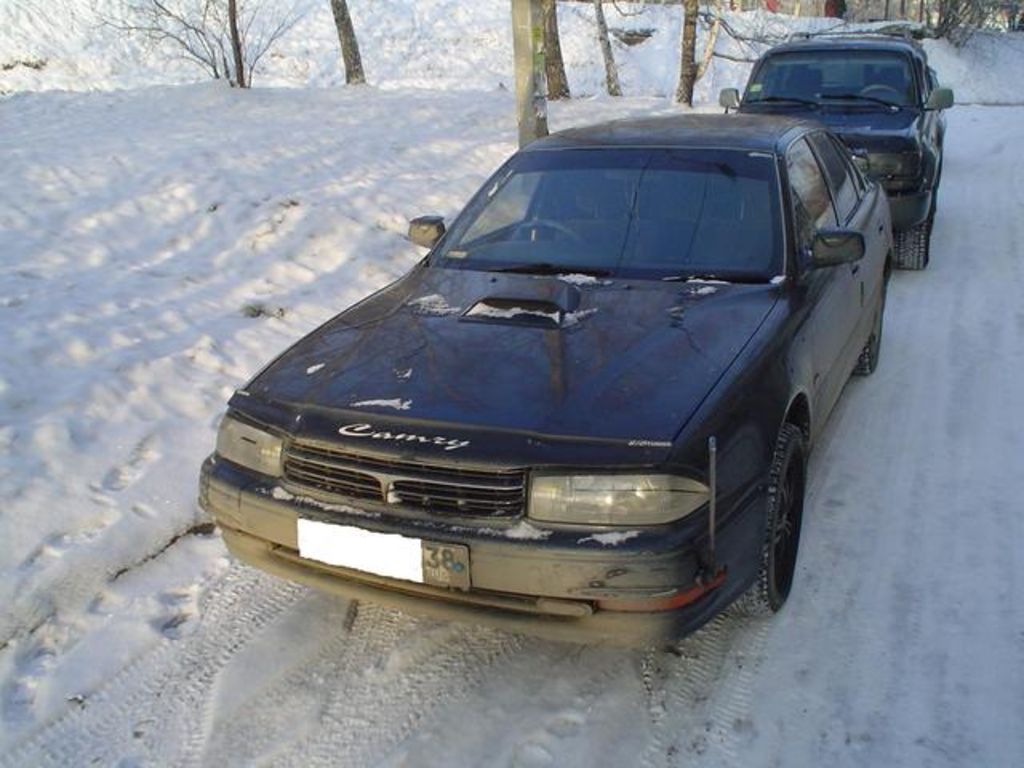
437	489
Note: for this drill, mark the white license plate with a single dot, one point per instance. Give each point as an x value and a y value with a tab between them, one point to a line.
384	554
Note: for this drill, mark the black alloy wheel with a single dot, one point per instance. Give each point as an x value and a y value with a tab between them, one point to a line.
781	539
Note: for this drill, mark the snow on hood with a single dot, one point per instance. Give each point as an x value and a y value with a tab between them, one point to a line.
629	361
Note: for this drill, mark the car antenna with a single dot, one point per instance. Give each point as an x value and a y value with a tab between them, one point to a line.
712	502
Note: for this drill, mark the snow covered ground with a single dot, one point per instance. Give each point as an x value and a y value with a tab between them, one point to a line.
160	244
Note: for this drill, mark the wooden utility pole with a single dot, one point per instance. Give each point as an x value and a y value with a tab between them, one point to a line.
528	48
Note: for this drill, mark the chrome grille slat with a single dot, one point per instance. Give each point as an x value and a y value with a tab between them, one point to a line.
337	456
437	489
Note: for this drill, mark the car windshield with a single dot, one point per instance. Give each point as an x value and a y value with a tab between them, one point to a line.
649	213
853	77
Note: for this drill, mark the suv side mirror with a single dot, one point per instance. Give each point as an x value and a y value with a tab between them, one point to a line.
861	159
836	246
940	98
426	230
729	98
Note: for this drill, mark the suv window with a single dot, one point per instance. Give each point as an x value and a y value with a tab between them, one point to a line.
844	193
812	206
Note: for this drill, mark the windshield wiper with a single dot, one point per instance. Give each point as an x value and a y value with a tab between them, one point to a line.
707	277
545	268
861	97
789	99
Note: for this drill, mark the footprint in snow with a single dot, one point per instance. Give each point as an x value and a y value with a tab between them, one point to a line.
565	724
33	665
123	475
182	608
532	755
52	548
56	545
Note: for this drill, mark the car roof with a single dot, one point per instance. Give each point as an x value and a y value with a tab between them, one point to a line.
766	133
851	43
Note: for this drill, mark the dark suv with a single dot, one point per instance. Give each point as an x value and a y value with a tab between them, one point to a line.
878	94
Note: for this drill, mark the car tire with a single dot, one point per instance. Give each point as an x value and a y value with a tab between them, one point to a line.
868	360
913	245
781	538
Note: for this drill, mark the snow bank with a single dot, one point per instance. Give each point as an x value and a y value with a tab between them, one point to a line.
987	70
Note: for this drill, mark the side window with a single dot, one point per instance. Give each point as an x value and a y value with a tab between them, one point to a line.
844	192
812	207
859	182
508	207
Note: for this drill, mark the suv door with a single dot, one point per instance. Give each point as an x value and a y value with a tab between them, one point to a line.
832	294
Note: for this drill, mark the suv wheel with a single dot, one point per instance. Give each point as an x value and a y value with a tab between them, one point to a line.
913	245
781	537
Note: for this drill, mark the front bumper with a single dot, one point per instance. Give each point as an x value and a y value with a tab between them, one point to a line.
557	587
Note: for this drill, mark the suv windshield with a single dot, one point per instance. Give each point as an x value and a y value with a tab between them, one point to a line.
867	77
650	213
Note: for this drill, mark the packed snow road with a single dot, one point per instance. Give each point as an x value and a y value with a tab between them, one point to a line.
159	245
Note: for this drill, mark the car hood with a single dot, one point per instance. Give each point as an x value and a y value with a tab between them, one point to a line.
601	360
876	130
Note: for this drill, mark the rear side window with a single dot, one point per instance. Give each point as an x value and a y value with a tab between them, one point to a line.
840	179
812	206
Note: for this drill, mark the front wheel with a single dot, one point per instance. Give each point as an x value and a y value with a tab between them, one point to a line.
784	516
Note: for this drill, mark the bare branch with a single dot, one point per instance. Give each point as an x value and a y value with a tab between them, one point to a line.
200	31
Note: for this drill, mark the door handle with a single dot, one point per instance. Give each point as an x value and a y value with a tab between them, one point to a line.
854	269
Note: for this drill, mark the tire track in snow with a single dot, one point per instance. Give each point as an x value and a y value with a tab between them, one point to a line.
699	693
393	681
150	707
280	713
534	708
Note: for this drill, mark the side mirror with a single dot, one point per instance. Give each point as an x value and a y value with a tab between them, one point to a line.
836	246
426	230
940	98
861	159
729	98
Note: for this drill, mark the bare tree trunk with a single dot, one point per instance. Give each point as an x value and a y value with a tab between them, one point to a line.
236	45
688	65
558	85
349	45
611	72
709	48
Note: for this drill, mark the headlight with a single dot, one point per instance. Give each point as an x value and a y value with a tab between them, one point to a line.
614	499
884	164
251	447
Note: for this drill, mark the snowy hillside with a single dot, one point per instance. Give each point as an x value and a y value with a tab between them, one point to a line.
160	243
434	44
